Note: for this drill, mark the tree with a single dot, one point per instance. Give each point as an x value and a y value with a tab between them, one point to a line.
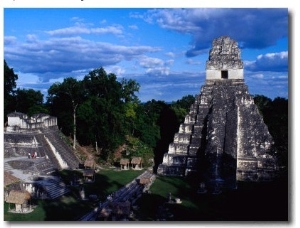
129	87
105	102
103	109
275	115
263	103
165	119
29	101
10	79
181	107
185	102
69	91
145	125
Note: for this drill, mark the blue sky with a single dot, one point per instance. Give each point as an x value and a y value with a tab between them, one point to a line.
163	49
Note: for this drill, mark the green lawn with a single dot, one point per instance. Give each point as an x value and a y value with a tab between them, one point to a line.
70	207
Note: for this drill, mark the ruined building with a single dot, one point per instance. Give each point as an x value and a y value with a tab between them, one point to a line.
33	150
223	138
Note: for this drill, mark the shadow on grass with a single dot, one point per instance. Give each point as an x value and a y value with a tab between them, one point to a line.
267	201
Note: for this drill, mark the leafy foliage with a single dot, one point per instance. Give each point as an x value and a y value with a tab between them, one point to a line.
10	79
29	101
275	115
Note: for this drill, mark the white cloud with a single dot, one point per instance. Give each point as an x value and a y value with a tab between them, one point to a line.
269	62
82	29
68	54
170	54
272	56
149	62
117	70
27	78
258	76
31	38
155	66
77	19
280	77
158	71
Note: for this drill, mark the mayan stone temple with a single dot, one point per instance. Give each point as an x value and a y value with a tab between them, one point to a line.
223	138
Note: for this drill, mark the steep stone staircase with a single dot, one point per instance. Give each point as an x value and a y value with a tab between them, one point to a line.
65	151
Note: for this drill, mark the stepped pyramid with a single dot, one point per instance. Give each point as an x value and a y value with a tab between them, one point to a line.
223	138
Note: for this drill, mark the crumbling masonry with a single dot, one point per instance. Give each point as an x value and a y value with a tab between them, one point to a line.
223	138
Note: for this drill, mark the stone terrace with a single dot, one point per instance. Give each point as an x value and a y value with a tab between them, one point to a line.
52	153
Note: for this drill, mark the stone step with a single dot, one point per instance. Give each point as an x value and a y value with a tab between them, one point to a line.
55	189
182	138
178	148
185	128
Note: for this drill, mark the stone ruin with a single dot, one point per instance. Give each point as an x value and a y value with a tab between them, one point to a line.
38	134
34	150
223	138
20	122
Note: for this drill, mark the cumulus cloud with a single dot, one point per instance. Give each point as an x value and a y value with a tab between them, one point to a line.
117	70
149	62
204	25
68	54
277	62
155	66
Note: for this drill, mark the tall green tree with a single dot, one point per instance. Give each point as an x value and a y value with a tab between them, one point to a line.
10	79
67	95
109	110
102	108
105	104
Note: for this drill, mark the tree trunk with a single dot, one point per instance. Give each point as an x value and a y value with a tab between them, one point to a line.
74	127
